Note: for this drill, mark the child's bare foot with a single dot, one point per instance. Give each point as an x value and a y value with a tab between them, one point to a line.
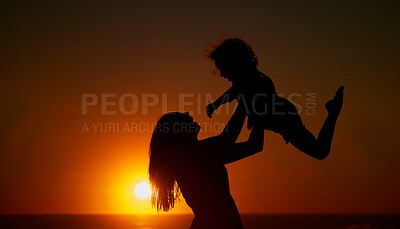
334	106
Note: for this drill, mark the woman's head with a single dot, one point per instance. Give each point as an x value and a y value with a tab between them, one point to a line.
232	56
176	126
173	130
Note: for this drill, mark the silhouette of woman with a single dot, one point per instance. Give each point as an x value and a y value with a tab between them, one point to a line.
236	61
180	163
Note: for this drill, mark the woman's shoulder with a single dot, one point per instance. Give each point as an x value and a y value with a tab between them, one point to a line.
210	147
192	150
194	155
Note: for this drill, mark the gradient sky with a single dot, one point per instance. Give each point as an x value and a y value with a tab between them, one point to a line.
52	53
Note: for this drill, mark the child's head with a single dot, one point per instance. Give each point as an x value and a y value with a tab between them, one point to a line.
233	56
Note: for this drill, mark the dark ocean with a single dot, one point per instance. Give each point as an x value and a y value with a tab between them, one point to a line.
184	221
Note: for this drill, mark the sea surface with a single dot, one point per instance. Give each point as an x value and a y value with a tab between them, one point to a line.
184	221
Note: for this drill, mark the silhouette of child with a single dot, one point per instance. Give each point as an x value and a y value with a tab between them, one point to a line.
236	61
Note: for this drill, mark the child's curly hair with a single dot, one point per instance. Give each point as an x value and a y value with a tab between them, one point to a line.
233	52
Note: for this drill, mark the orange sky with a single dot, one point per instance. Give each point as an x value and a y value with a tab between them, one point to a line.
51	54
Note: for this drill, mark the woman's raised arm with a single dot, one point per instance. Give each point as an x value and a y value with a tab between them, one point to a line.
232	129
234	152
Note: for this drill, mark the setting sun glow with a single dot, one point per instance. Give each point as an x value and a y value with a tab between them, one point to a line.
143	190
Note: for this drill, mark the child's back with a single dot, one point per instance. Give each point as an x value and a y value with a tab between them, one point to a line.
266	108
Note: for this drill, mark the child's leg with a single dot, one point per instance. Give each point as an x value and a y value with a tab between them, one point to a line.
319	148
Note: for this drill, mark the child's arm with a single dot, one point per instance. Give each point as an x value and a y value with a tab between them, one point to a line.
231	94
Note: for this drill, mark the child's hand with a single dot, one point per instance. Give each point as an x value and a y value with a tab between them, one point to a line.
210	109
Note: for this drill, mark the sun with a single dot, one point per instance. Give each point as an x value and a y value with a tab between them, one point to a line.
143	190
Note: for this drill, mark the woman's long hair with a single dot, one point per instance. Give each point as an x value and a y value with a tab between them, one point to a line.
164	146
